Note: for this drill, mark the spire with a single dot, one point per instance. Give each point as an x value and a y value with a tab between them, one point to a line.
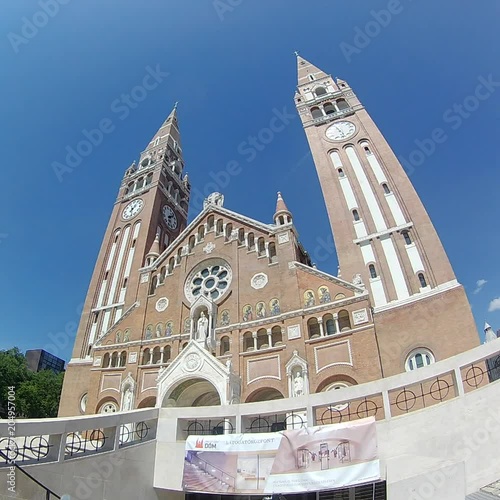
489	334
154	251
282	215
169	134
305	68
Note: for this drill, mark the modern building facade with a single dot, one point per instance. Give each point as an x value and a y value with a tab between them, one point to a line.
38	360
230	310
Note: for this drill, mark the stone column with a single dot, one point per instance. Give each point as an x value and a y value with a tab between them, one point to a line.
254	336
336	319
270	337
321	329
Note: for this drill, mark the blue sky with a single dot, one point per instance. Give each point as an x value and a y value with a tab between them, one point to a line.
230	65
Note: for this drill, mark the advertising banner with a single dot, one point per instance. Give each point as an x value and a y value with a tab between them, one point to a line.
308	459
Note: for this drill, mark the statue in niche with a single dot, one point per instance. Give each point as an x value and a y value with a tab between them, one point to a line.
275	307
127	399
224	320
298	384
247	313
202	327
149	332
158	330
357	280
261	310
126	336
324	295
118	337
309	298
168	329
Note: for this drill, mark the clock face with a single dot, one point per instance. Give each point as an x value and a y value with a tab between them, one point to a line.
340	130
132	209
169	217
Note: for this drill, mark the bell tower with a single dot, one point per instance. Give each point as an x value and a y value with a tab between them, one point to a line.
383	234
150	211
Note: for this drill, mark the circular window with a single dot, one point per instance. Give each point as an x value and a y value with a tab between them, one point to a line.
418	359
108	408
210	278
83	402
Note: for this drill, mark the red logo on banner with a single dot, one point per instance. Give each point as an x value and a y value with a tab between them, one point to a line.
199	443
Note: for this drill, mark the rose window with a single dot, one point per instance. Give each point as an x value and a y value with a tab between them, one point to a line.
211	280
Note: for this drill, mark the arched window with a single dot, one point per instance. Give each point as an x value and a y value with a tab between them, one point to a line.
140	183
355	214
167	354
191	242
225	346
241	236
277	336
313	328
227	232
341	172
342	104
344	320
248	341
156	355
201	233
171	265
169	187
105	361
184	346
149	179
154	284
367	150
114	359
219	228
251	241
316	112
421	278
261	247
320	91
373	271
406	236
163	273
312	78
329	108
146	356
210	223
418	359
386	188
130	188
272	253
176	196
262	339
281	220
123	358
329	324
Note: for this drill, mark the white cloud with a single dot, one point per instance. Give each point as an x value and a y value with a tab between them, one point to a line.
479	286
494	305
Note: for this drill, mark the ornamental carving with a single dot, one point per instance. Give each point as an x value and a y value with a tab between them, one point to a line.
209	248
192	362
161	304
259	281
360	316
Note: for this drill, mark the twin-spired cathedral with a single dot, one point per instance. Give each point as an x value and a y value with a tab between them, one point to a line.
229	309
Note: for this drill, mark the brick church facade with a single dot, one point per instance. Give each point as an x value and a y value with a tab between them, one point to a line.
229	309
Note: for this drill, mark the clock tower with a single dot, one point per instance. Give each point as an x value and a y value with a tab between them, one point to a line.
150	212
384	237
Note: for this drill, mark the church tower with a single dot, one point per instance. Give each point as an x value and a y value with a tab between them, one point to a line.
150	212
383	234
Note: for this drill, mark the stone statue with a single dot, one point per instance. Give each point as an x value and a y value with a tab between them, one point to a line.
118	337
127	399
298	384
202	327
126	336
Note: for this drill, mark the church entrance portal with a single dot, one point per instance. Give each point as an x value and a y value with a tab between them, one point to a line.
193	392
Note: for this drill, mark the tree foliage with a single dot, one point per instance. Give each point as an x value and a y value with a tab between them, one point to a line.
37	394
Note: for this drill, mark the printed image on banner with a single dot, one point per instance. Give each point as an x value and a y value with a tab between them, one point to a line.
309	459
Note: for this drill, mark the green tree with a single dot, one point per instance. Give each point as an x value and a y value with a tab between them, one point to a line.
37	394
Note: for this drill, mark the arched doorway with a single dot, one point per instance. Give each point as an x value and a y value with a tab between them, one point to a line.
192	392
